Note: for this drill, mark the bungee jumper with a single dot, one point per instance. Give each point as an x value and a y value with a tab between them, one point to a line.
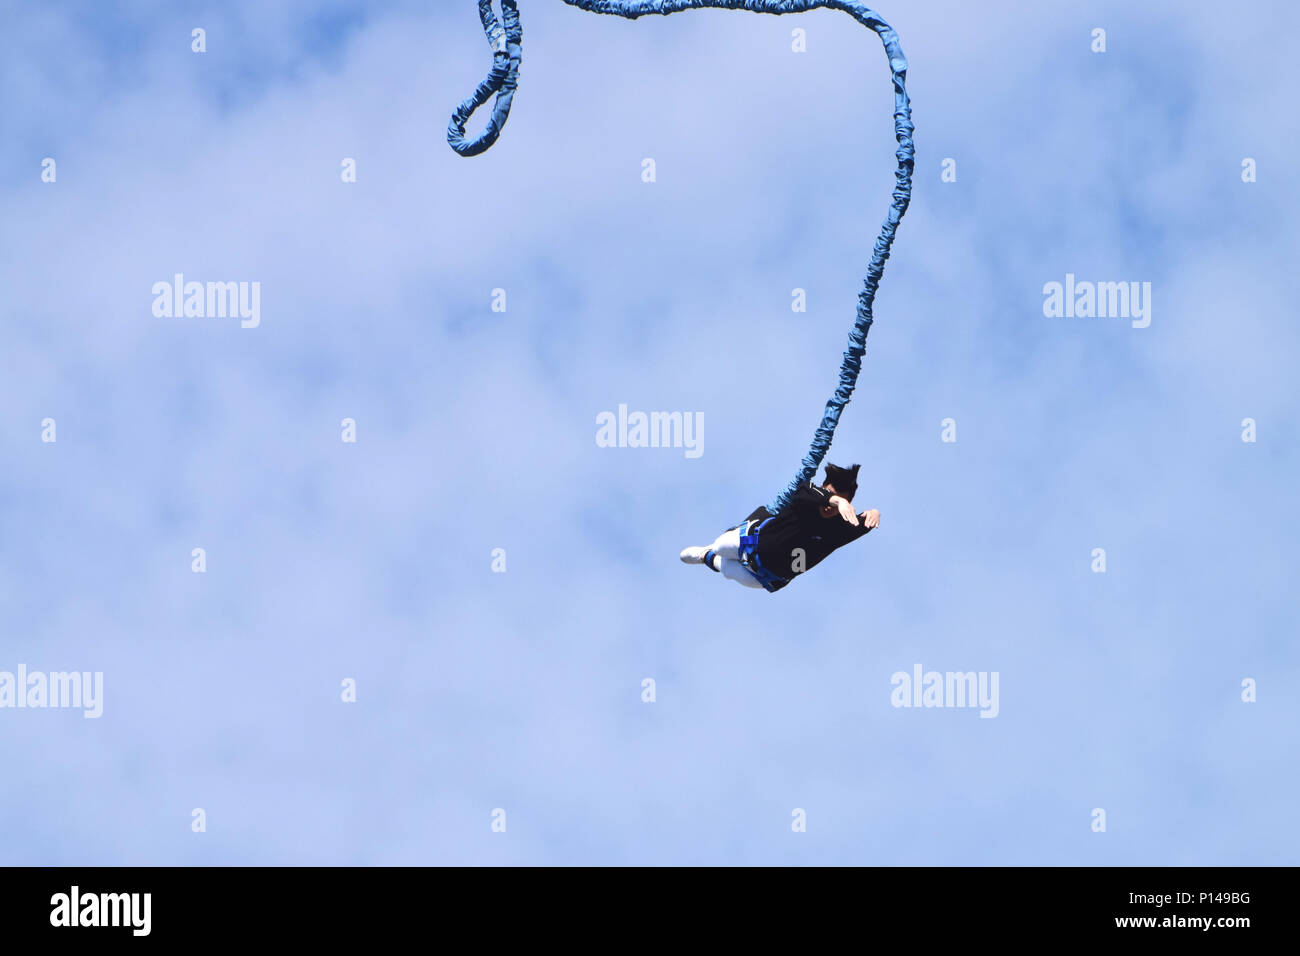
805	520
770	550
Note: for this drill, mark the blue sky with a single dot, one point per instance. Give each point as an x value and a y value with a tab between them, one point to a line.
476	430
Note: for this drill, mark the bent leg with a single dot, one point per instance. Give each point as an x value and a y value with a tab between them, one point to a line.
735	571
727	545
725	556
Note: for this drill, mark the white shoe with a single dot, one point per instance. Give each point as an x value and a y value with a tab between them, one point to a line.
694	555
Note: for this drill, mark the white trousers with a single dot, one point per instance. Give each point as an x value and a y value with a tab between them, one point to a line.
727	549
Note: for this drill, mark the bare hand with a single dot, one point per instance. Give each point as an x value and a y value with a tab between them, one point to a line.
846	510
870	519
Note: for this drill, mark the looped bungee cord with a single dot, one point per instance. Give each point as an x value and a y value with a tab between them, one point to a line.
504	78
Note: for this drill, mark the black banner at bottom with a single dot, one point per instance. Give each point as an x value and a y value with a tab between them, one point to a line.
925	905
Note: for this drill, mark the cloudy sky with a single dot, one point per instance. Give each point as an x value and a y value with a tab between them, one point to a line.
521	690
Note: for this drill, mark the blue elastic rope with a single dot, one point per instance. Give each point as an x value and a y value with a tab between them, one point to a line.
504	78
507	46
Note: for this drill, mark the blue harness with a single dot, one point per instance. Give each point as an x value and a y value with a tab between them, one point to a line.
749	556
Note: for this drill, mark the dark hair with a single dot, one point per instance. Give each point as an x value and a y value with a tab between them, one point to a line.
845	480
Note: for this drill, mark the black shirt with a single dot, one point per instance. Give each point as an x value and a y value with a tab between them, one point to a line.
798	538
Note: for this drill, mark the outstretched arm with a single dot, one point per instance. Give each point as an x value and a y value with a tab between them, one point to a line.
845	509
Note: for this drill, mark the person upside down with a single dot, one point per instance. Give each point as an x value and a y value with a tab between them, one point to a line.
769	551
